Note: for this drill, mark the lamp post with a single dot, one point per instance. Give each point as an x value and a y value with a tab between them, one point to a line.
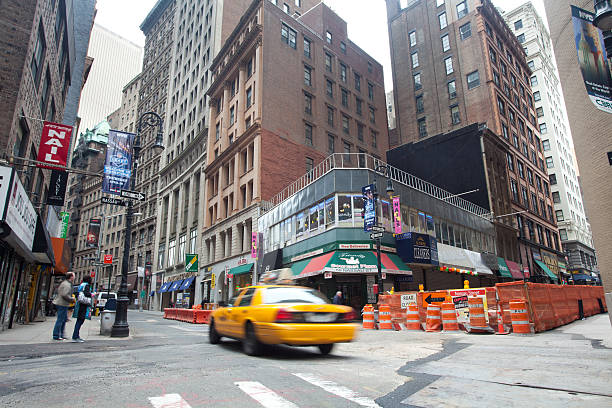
384	169
146	120
603	21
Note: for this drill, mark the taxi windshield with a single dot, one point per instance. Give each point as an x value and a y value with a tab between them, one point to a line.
293	295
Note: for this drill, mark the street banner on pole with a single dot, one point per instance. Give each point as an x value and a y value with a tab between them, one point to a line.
369	207
253	245
65	220
592	59
397	216
118	165
93	233
57	187
191	262
54	145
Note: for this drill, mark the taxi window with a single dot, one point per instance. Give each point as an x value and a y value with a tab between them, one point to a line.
245	300
293	295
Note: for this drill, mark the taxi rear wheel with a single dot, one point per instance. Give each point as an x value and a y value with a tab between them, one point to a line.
326	348
251	345
213	335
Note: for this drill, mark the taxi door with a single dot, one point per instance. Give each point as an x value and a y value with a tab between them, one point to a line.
223	318
241	312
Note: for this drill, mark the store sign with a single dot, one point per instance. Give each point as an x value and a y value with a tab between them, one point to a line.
369	207
417	248
108	259
327	275
54	145
93	233
349	262
65	221
354	246
118	165
253	245
57	187
20	214
397	216
191	262
551	261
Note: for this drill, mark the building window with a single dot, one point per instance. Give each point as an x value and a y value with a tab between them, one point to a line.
473	79
536	96
534	80
288	35
307	48
501	105
347	147
510	161
44	98
439	3
171	252
343	47
358	106
417	81
372	115
331	143
521	38
343	73
455	118
415	59
540	112
559	215
445	43
543	129
217	131
556	197
309	164
422	126
360	132
345	124
442	21
530	176
465	31
563	234
546	145
462	9
328	62
38	55
521	169
308	134
553	179
505	133
518	24
286	8
452	89
514	188
307	76
419	104
329	86
345	98
448	64
525	196
549	162
249	97
357	78
412	38
232	116
328	37
330	116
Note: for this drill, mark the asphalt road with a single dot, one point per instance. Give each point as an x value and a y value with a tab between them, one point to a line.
170	364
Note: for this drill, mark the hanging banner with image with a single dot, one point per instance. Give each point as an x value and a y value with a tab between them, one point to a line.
369	207
54	145
397	216
93	233
253	245
57	187
65	221
118	165
592	59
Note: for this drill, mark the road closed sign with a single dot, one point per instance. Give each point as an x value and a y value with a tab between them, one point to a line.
410	298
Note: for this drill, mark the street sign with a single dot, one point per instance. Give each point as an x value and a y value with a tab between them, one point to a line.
376	235
378	228
108	258
408	299
435	298
113	201
134	195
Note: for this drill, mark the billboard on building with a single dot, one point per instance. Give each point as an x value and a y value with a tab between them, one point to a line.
592	59
118	165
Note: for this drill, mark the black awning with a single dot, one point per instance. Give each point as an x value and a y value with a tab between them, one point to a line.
42	247
271	260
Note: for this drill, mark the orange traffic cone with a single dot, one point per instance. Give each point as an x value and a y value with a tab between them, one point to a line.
500	321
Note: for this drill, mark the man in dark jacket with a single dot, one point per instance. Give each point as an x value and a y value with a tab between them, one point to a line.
338	298
83	304
62	300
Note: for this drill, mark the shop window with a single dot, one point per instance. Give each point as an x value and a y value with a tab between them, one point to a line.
345	210
299	224
330	211
358	210
314	218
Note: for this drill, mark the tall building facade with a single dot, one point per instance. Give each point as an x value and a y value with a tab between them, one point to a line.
590	128
456	62
557	142
288	88
116	62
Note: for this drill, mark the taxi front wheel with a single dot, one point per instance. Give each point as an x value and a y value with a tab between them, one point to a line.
251	345
213	335
326	348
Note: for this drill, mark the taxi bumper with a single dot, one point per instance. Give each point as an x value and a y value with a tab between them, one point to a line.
304	334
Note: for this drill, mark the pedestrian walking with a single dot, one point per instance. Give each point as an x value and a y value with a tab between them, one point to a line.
338	298
82	309
62	300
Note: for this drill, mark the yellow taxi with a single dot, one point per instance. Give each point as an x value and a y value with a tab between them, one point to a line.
280	314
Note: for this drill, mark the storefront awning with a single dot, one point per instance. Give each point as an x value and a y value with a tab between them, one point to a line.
547	271
349	262
462	260
187	283
42	247
515	270
271	261
504	271
164	288
175	285
476	260
239	270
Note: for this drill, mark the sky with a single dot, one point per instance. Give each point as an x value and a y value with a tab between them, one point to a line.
124	17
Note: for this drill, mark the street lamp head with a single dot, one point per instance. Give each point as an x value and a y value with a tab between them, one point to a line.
159	147
603	15
389	187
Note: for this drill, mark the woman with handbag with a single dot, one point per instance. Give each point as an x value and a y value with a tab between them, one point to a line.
82	308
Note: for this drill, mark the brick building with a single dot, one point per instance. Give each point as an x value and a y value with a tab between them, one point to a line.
455	63
288	88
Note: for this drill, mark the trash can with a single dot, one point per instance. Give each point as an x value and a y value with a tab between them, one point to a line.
106	321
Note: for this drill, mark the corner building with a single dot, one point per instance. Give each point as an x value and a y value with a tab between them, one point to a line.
456	63
288	88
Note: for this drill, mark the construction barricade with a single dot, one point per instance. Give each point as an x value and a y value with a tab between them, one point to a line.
384	316
449	317
412	318
520	317
434	320
368	317
478	319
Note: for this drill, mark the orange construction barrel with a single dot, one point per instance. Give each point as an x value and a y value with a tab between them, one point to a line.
520	317
412	318
368	317
384	317
434	322
477	314
449	317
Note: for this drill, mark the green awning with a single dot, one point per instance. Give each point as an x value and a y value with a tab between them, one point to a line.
239	270
299	266
504	271
550	274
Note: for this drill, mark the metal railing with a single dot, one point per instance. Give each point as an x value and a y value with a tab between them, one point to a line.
365	161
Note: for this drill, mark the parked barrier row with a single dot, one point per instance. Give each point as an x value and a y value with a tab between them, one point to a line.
197	316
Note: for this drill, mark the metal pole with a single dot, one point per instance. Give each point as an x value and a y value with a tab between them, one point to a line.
141	297
380	279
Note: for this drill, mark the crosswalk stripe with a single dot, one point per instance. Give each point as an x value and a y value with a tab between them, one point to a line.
169	401
264	395
338	390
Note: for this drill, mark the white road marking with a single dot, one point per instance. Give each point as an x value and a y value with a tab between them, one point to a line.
338	390
190	329
169	401
264	395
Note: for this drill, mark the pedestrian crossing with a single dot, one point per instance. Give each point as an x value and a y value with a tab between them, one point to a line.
267	398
